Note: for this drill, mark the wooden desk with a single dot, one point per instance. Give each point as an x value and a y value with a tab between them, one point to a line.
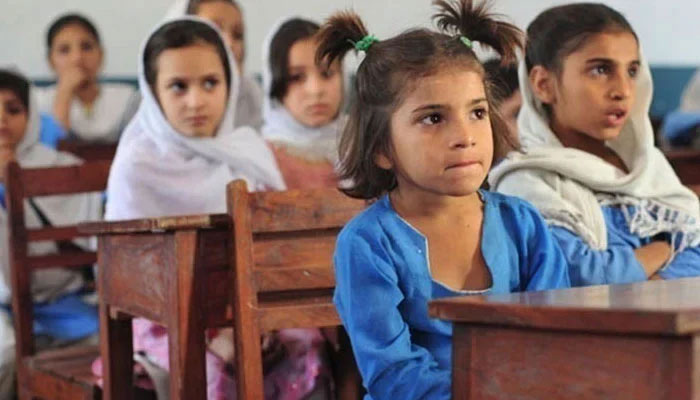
173	271
638	341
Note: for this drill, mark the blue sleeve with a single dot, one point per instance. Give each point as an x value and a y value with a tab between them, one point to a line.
547	267
686	264
51	132
367	297
617	264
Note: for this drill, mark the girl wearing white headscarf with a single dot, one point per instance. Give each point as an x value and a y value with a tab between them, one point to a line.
620	212
228	16
302	106
161	170
60	315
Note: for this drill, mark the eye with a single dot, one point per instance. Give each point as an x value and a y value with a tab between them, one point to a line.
600	70
480	113
238	34
63	49
328	73
633	71
210	83
432	119
296	77
87	46
15	109
177	87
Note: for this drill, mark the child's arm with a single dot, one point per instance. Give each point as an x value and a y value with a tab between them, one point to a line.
546	267
616	264
367	297
685	264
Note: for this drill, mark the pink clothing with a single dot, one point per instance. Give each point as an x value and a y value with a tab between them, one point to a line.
293	378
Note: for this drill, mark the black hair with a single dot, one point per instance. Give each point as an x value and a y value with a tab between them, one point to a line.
179	34
16	84
66	20
560	31
389	66
289	33
503	77
193	5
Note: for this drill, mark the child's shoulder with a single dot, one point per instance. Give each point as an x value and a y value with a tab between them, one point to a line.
507	205
370	223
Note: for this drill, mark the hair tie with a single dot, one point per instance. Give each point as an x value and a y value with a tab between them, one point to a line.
466	41
365	43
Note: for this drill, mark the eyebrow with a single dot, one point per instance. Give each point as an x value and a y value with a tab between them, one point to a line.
430	107
609	61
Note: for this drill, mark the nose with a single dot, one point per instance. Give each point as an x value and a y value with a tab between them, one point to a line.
461	137
196	98
622	87
315	85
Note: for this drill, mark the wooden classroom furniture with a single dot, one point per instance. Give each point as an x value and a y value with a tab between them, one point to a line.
60	373
282	257
686	163
173	271
635	341
88	151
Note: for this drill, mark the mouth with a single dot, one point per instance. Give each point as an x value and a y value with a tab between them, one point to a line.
616	117
319	108
197	120
462	164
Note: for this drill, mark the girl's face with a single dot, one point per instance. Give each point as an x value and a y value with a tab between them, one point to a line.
313	93
441	136
230	21
13	119
191	89
596	88
75	48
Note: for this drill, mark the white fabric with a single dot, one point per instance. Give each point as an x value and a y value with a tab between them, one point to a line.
160	172
249	108
691	96
60	210
569	186
282	129
110	112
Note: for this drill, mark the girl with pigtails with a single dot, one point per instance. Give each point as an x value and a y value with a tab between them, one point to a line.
421	136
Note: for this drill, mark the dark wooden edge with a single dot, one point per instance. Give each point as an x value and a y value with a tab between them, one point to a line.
622	321
185	222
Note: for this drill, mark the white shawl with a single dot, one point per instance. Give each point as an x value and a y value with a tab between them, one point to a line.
160	172
47	284
569	186
282	129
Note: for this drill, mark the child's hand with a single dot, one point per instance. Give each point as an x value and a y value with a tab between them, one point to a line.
222	345
70	79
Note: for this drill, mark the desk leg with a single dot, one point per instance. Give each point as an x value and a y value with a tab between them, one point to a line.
116	349
186	325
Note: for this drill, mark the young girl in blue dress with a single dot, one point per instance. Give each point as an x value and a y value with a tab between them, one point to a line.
589	163
421	137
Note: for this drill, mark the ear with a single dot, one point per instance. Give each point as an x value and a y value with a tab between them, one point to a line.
543	82
383	161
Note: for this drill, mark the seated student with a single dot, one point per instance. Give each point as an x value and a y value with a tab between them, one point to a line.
228	16
86	109
506	92
681	128
302	105
61	316
589	163
177	156
420	139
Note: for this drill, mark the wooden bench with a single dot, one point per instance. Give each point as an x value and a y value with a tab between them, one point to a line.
636	341
88	151
282	257
60	373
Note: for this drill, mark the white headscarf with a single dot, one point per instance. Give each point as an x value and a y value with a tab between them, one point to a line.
250	97
569	186
59	210
160	172
281	128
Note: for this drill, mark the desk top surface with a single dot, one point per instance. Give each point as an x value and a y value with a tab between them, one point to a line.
162	224
660	307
